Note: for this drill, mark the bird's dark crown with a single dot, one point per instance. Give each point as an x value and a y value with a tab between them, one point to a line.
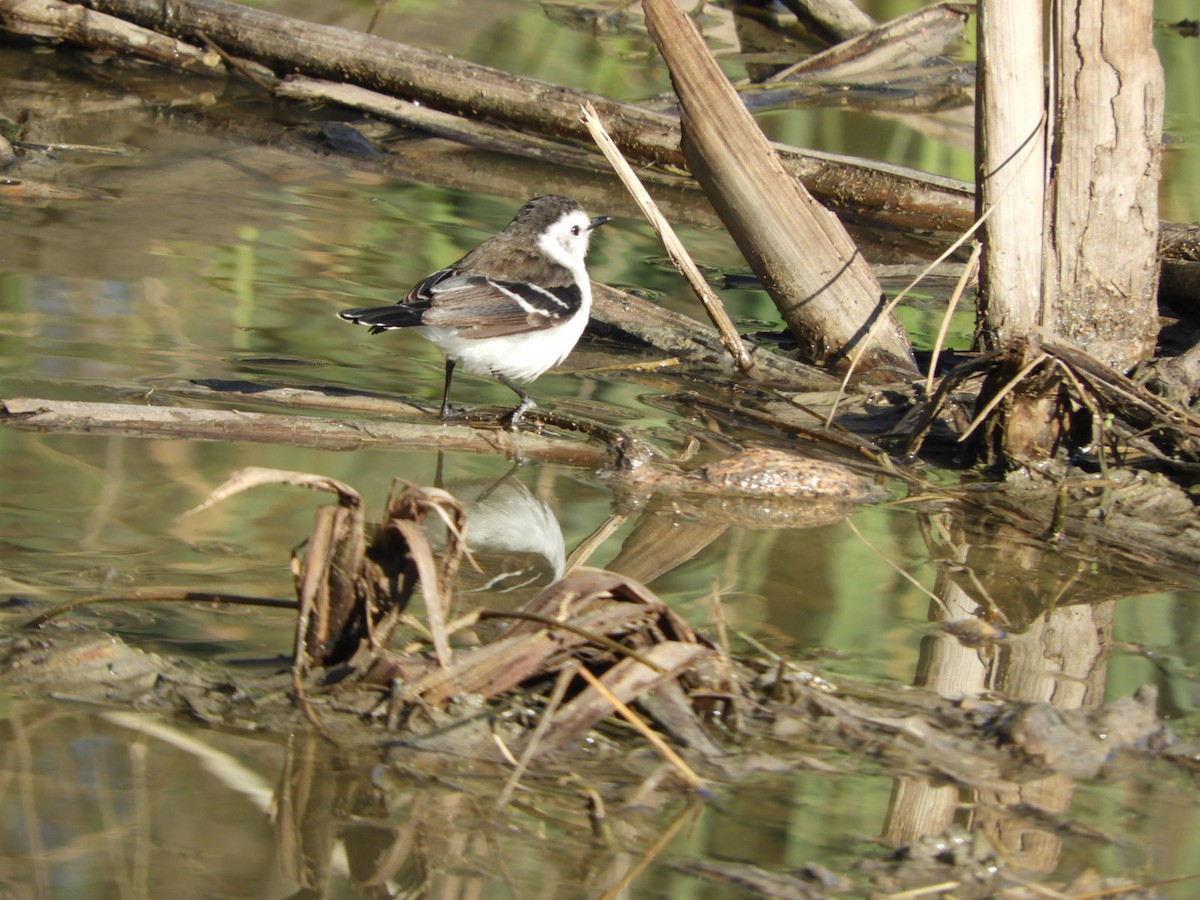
541	212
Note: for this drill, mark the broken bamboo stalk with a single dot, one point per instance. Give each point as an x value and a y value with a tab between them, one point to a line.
819	281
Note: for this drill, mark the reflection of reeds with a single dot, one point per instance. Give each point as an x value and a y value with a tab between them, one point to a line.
1179	195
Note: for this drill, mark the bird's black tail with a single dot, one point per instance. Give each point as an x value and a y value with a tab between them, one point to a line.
383	318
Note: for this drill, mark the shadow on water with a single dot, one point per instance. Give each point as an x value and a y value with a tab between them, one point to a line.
935	693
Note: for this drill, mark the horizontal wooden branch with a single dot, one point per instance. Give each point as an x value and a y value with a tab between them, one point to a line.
290	46
69	21
695	342
140	420
869	191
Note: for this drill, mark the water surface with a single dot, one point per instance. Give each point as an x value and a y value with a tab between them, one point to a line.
219	258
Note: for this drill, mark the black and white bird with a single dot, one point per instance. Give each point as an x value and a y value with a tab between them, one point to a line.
513	307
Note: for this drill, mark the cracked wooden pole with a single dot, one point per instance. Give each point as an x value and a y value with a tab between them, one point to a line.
1084	213
1101	252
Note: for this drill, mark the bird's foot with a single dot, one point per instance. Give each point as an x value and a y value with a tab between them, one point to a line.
518	414
451	411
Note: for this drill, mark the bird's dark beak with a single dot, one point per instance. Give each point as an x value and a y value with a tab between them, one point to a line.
598	221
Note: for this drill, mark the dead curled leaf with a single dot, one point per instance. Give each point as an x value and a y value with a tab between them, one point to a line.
351	595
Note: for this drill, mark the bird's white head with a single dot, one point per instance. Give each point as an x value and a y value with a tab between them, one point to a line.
565	240
559	227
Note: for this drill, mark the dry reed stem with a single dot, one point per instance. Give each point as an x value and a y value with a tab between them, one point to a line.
967	274
962	239
689	776
898	569
674	247
891	305
652	852
1001	394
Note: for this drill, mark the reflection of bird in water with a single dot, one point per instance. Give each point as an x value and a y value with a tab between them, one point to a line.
514	539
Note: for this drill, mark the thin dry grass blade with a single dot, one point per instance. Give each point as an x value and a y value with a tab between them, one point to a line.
652	853
583	551
898	569
674	247
432	588
686	772
255	476
1000	395
552	704
967	274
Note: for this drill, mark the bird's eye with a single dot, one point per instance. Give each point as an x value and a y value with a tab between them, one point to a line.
575	229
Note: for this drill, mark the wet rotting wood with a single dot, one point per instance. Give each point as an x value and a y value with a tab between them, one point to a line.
840	19
907	40
36	18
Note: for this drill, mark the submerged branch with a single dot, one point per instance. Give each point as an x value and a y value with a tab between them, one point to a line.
301	431
160	596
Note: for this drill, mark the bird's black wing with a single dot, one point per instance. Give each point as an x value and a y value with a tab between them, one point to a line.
481	307
385	318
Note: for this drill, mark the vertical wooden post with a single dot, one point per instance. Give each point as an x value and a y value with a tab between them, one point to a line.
1071	245
1101	261
1010	161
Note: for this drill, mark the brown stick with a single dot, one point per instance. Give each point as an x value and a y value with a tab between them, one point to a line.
67	21
675	249
225	425
686	772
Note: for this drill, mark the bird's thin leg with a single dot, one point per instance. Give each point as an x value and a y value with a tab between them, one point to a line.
526	401
437	472
450	364
518	464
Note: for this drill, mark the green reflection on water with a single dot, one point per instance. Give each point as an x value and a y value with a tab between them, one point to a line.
202	272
